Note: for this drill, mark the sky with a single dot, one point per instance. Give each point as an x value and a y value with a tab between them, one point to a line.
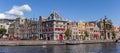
73	10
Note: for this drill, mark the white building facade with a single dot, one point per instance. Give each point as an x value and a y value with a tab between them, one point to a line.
54	27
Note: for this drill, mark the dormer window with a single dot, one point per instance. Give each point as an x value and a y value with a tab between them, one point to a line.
49	18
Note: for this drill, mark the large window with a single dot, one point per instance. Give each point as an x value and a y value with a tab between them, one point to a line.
91	29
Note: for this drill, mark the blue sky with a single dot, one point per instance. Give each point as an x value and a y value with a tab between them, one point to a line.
74	10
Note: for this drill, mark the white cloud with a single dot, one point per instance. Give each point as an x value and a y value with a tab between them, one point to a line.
25	7
15	12
2	16
18	10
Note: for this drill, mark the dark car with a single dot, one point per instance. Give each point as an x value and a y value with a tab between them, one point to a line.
117	39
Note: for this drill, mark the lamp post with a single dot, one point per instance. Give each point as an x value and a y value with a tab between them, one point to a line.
104	22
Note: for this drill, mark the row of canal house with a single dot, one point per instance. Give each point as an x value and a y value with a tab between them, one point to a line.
54	28
96	30
51	28
78	30
27	28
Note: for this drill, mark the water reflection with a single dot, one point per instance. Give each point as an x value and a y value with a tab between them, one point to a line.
82	48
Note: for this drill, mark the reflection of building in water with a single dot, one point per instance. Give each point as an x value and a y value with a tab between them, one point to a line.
60	49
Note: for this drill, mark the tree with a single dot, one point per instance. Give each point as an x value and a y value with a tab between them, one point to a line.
102	34
113	34
2	31
86	34
67	33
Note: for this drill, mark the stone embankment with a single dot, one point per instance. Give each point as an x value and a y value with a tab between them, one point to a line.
41	42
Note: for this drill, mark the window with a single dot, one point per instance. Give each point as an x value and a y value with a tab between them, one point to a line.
50	25
91	29
1	26
46	25
64	26
56	25
7	23
74	32
64	23
60	25
21	20
56	22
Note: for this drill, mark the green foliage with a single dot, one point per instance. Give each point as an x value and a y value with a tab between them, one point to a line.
113	34
86	33
2	31
102	34
67	33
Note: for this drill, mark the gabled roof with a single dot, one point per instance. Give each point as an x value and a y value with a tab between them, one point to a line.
55	16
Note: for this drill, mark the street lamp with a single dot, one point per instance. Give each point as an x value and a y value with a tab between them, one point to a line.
104	22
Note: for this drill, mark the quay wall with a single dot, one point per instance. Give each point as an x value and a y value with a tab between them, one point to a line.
41	42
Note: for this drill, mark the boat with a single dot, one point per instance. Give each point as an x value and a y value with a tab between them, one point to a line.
72	43
117	40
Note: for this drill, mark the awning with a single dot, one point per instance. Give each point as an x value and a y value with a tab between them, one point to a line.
96	35
62	29
58	29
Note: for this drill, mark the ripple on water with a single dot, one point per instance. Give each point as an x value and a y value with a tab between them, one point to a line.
82	48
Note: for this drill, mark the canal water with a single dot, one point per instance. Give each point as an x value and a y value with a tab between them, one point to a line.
82	48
